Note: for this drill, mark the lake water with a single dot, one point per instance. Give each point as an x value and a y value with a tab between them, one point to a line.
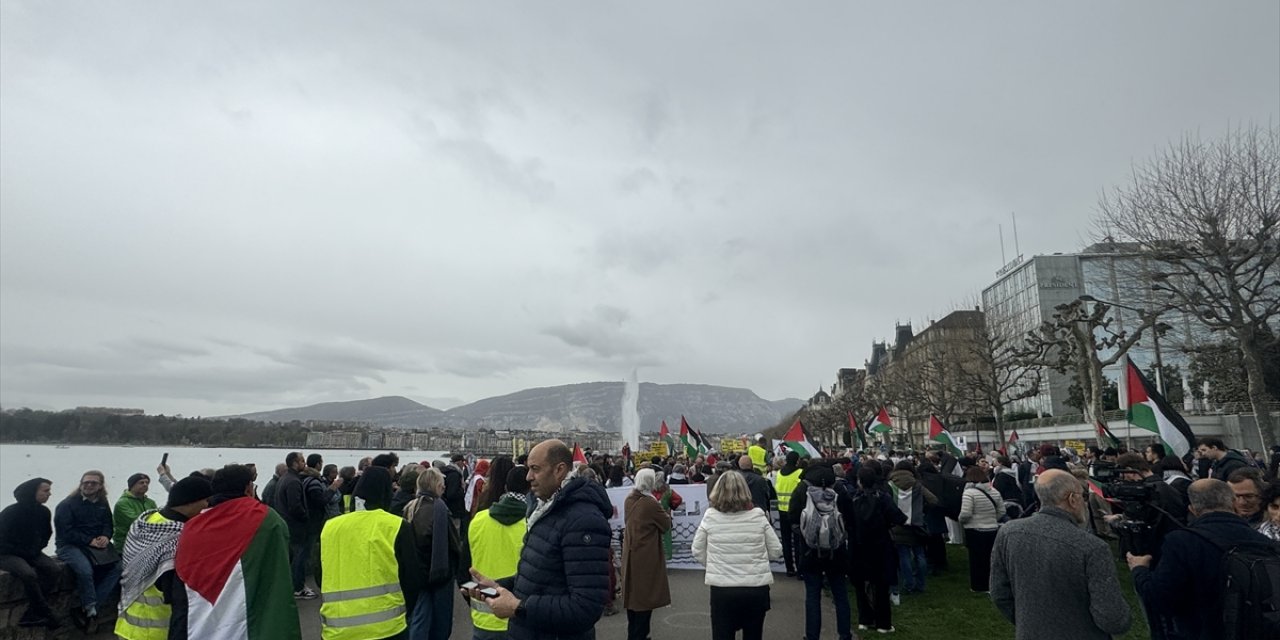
19	462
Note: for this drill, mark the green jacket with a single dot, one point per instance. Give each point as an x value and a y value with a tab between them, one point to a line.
128	508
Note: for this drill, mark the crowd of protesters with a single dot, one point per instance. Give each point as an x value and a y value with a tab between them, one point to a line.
390	547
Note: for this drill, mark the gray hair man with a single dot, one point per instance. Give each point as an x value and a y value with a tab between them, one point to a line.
1029	584
1187	584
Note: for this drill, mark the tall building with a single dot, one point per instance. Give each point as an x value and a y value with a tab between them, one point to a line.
1026	292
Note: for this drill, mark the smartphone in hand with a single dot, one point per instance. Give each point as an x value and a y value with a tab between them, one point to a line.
164	460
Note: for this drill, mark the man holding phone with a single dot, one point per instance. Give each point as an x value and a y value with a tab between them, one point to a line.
562	580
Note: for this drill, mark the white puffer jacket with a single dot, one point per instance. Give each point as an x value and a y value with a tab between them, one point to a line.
736	548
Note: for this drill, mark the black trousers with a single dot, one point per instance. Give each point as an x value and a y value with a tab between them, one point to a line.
38	578
874	608
980	544
935	551
638	624
786	532
734	608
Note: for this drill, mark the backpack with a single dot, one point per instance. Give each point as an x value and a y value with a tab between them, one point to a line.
820	521
1251	589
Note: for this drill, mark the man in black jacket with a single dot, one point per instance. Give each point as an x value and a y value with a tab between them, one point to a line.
560	586
1224	460
25	529
84	526
762	492
1187	586
291	503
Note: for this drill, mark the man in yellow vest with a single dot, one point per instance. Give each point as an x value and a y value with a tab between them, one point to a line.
759	454
785	484
371	568
151	595
497	536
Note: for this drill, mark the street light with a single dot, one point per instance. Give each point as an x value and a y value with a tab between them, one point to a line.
1155	333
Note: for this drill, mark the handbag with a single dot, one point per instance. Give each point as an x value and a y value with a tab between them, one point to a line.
102	557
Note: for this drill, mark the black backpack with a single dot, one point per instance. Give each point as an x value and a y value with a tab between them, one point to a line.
1250	590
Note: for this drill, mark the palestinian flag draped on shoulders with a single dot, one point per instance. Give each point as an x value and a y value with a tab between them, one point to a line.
797	439
234	560
1149	410
939	433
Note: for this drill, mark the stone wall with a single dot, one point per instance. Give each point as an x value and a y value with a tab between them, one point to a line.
13	603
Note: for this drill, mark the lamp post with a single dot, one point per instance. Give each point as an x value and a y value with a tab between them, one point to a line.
1155	334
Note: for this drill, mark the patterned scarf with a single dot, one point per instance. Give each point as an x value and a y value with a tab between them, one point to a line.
545	505
148	552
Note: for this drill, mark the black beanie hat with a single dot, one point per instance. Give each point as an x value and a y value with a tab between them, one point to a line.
188	490
136	478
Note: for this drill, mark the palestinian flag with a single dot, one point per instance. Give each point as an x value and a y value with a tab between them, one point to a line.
1096	490
698	441
862	437
688	439
578	456
880	423
939	433
704	443
665	436
1149	410
234	559
797	439
1105	437
1013	439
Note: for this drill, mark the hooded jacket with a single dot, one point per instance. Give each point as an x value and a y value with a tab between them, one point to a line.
25	526
454	491
910	498
563	579
128	508
1222	468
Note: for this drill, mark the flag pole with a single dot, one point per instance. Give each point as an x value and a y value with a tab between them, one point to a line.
1122	395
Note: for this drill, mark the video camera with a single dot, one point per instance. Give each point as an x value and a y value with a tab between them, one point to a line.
1137	529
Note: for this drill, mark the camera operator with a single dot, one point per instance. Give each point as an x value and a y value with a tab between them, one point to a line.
1152	508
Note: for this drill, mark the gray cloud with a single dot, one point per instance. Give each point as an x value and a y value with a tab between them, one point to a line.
289	206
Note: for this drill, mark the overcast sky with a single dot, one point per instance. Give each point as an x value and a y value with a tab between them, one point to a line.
220	207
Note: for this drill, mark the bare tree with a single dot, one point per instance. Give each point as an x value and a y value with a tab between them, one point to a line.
1073	340
997	374
1208	216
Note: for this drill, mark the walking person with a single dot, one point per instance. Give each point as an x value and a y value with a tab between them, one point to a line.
909	537
644	568
980	509
873	561
25	529
735	542
83	540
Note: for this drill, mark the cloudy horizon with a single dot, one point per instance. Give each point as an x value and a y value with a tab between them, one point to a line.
223	208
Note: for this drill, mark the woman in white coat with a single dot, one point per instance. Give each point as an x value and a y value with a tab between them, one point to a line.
735	542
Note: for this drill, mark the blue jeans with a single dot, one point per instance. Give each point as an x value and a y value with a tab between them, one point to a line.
92	591
813	604
433	614
912	573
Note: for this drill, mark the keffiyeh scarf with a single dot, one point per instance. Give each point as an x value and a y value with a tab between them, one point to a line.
148	553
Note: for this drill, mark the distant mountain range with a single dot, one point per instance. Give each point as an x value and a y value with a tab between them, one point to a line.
591	406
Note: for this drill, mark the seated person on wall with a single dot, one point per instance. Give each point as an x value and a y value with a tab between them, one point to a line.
83	523
25	529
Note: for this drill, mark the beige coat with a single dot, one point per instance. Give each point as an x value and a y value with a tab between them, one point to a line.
644	568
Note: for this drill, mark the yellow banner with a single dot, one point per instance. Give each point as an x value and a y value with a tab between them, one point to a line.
1078	445
657	449
732	445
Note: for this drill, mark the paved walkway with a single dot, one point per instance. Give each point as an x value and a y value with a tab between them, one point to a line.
687	617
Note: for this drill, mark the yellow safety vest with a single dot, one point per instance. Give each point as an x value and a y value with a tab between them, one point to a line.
785	485
495	552
147	618
757	454
348	500
361	593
